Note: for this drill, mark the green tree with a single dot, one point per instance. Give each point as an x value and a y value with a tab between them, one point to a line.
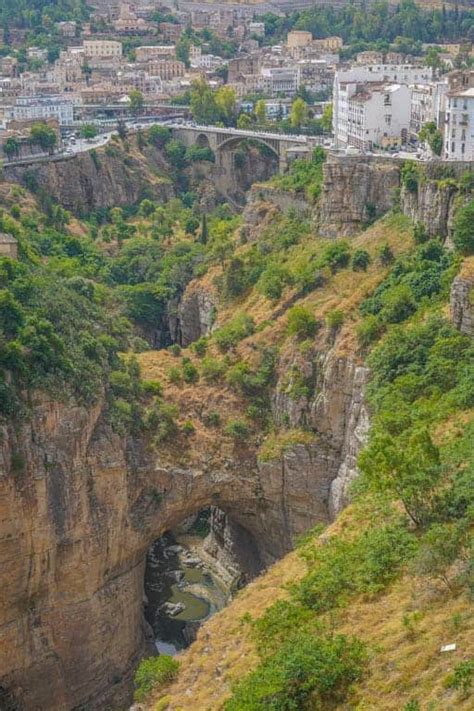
11	147
463	234
88	131
244	122
299	113
159	135
301	322
136	100
360	260
261	112
226	101
408	466
44	136
326	118
203	103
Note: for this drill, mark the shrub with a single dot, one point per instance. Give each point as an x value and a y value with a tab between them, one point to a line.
175	376
306	668
212	369
301	322
237	429
200	347
175	350
232	333
410	176
360	260
273	281
385	255
212	419
398	304
153	673
190	372
369	331
334	319
462	677
188	428
335	256
152	387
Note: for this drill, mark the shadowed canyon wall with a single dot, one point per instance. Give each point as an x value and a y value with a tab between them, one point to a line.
79	507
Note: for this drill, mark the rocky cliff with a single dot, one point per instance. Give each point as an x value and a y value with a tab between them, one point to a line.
108	177
462	299
355	191
79	507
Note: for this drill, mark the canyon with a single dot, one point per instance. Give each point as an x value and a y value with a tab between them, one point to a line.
80	504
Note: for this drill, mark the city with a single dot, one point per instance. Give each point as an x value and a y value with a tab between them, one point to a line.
238	66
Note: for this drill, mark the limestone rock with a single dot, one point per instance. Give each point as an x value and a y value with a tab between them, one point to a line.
462	303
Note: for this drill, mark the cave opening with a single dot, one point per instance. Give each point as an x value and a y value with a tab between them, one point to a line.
191	573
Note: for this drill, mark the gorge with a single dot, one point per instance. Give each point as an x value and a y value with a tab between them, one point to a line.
82	500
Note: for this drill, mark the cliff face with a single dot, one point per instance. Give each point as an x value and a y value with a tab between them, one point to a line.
356	190
79	507
462	299
108	177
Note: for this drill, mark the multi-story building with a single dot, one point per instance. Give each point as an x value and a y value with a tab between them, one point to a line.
166	69
370	57
28	108
459	125
298	38
146	54
426	105
278	81
8	66
373	114
404	74
257	29
328	44
102	48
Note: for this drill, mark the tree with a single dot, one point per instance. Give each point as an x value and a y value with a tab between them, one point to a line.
244	122
360	260
463	235
431	135
301	322
176	153
408	466
88	131
326	118
182	50
136	100
203	103
159	135
261	111
226	101
43	135
11	147
299	113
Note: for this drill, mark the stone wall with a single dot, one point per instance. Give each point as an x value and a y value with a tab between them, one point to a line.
462	300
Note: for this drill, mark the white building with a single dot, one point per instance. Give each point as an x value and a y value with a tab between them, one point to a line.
281	81
257	29
30	108
459	125
426	105
402	74
373	114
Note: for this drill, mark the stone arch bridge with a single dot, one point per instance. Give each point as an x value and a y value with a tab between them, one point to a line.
219	139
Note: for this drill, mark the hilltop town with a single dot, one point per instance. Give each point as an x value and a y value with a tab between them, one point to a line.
315	72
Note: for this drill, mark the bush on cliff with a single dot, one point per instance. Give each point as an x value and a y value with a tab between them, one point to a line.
154	673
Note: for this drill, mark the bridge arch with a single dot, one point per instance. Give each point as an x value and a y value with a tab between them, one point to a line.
234	141
202	141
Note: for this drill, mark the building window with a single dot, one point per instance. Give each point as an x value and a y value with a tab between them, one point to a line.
452	147
463	147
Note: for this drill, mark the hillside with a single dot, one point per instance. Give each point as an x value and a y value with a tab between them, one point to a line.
394	585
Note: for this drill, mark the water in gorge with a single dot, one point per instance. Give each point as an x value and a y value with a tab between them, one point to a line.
181	591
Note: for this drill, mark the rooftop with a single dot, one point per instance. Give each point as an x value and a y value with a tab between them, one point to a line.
7	239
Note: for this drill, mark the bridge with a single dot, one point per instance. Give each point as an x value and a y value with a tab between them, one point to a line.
221	139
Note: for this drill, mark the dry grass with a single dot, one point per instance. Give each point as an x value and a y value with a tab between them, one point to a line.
405	660
224	651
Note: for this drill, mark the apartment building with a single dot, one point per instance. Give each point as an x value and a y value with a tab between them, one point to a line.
298	38
102	48
426	105
345	78
373	114
278	81
28	108
166	69
459	125
158	52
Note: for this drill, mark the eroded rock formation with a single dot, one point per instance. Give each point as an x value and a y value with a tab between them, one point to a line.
79	507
